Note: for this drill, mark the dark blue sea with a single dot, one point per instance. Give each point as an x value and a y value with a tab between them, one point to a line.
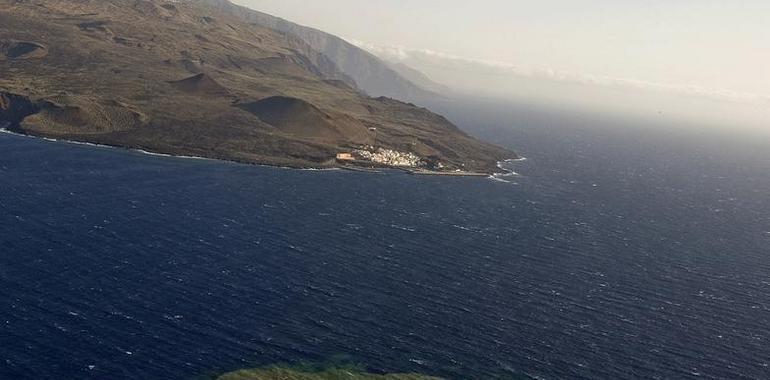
622	250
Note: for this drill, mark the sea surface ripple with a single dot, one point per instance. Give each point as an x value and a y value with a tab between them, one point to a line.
605	258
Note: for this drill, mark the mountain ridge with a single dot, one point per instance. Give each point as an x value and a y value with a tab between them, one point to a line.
373	75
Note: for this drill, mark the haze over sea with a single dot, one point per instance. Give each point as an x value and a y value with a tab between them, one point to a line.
623	250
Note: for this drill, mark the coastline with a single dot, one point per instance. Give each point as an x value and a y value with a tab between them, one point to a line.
445	174
144	151
506	173
4	129
412	171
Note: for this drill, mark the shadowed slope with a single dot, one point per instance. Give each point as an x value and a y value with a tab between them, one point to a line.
299	118
293	116
200	84
21	50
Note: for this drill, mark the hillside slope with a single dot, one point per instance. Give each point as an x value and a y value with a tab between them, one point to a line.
184	78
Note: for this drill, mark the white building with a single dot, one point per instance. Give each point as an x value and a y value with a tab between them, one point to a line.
390	157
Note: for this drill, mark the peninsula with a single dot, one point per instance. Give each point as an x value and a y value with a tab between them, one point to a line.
203	78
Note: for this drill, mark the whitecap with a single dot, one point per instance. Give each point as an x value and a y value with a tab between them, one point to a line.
142	151
497	178
86	143
9	132
507	171
403	228
313	169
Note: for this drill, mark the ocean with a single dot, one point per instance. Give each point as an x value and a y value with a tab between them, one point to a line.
620	250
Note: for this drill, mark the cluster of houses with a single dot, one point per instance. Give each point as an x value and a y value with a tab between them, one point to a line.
383	157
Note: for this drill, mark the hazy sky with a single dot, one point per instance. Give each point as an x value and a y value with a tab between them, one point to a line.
724	45
719	47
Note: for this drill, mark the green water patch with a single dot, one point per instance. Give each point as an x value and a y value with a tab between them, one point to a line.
288	373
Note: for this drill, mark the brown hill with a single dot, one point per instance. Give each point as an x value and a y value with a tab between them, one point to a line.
300	119
128	73
292	115
83	115
200	84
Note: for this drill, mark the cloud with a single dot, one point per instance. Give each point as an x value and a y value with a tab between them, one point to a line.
422	59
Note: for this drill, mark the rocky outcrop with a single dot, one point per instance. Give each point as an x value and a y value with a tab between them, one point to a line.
15	108
18	50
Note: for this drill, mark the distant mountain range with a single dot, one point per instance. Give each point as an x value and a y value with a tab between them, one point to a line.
209	78
371	74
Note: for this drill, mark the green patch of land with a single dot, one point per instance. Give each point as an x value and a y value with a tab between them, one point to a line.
279	373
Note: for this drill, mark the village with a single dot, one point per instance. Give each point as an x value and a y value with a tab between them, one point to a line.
388	158
381	156
370	157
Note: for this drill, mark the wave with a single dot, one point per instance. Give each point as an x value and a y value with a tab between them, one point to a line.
86	144
313	169
403	228
498	179
75	142
149	153
506	171
4	129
